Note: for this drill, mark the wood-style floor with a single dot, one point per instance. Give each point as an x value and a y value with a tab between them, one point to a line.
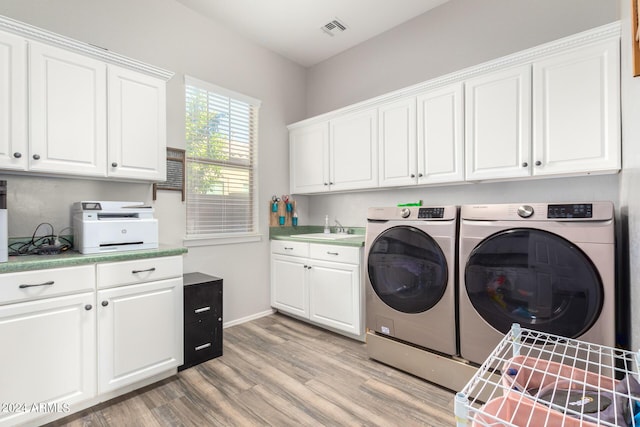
277	371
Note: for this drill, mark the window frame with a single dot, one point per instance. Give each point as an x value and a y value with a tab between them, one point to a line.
194	240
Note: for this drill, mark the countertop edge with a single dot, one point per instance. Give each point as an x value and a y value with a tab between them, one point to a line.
70	259
355	241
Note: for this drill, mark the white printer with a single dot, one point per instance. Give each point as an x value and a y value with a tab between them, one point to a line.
100	227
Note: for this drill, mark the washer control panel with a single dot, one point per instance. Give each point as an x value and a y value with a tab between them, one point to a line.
426	213
583	210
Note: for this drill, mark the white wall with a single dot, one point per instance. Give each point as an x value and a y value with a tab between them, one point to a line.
630	182
167	34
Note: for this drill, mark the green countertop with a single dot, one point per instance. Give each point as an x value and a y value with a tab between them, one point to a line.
73	258
289	233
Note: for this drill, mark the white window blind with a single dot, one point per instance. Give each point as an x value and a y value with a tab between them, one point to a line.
221	135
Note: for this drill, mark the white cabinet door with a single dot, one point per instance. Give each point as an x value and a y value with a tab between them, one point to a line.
48	355
441	135
309	159
13	102
67	112
353	151
289	287
334	295
576	115
139	332
498	124
397	145
137	125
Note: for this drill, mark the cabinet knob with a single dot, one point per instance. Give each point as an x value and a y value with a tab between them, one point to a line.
413	175
326	183
36	157
538	162
105	303
525	164
114	164
17	154
420	175
330	183
88	307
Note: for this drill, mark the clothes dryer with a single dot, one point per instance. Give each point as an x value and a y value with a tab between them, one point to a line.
547	266
410	278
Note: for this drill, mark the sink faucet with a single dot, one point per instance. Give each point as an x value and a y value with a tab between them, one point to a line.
340	228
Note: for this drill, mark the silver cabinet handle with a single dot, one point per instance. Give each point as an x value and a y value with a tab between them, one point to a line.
88	307
201	310
49	283
17	154
36	157
288	249
332	253
143	271
114	164
203	346
105	303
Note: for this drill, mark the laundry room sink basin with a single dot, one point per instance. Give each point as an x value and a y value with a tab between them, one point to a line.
324	236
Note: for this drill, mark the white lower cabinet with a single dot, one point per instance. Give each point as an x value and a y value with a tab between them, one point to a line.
64	350
139	332
319	283
48	356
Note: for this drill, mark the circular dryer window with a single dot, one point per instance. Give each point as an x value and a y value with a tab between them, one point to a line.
535	278
407	269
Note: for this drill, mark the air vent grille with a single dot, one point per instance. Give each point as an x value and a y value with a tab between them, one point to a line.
334	27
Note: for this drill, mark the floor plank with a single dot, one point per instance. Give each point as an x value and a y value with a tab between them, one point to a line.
278	371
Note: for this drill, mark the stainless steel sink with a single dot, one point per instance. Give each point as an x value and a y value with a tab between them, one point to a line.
324	236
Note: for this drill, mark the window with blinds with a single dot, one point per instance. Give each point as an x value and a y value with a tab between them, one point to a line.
221	137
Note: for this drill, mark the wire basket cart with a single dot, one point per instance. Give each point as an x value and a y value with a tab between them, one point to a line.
538	379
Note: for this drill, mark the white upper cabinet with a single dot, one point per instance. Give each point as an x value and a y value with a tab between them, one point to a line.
137	125
498	124
13	105
397	146
576	111
68	108
309	158
353	150
552	110
67	112
441	135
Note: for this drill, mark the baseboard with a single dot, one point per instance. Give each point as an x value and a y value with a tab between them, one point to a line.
247	318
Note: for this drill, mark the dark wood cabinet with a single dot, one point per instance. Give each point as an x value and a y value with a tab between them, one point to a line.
202	318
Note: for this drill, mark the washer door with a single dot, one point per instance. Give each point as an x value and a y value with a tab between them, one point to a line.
407	269
535	278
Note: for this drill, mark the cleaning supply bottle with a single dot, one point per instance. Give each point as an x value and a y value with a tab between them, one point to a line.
327	230
294	219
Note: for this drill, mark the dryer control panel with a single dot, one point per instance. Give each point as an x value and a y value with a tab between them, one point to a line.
424	213
583	210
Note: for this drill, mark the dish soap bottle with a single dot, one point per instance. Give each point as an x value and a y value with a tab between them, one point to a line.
327	230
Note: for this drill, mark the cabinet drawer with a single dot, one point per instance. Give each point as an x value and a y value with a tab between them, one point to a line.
202	301
138	271
38	284
336	253
286	247
202	341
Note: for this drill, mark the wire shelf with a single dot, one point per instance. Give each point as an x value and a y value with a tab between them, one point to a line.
538	379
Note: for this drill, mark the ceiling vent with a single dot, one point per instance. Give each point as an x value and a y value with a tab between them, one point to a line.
334	27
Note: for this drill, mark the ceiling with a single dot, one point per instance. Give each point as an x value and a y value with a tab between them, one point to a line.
293	28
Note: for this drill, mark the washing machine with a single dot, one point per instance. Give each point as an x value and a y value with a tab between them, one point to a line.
548	266
410	277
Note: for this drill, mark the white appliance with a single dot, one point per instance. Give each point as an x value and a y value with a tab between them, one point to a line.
4	227
548	266
410	280
105	226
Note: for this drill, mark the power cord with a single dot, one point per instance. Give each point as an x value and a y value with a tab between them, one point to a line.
48	244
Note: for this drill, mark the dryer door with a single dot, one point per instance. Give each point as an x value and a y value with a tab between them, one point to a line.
535	278
407	269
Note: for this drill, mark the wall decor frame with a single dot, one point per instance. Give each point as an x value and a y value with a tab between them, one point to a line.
635	37
175	172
